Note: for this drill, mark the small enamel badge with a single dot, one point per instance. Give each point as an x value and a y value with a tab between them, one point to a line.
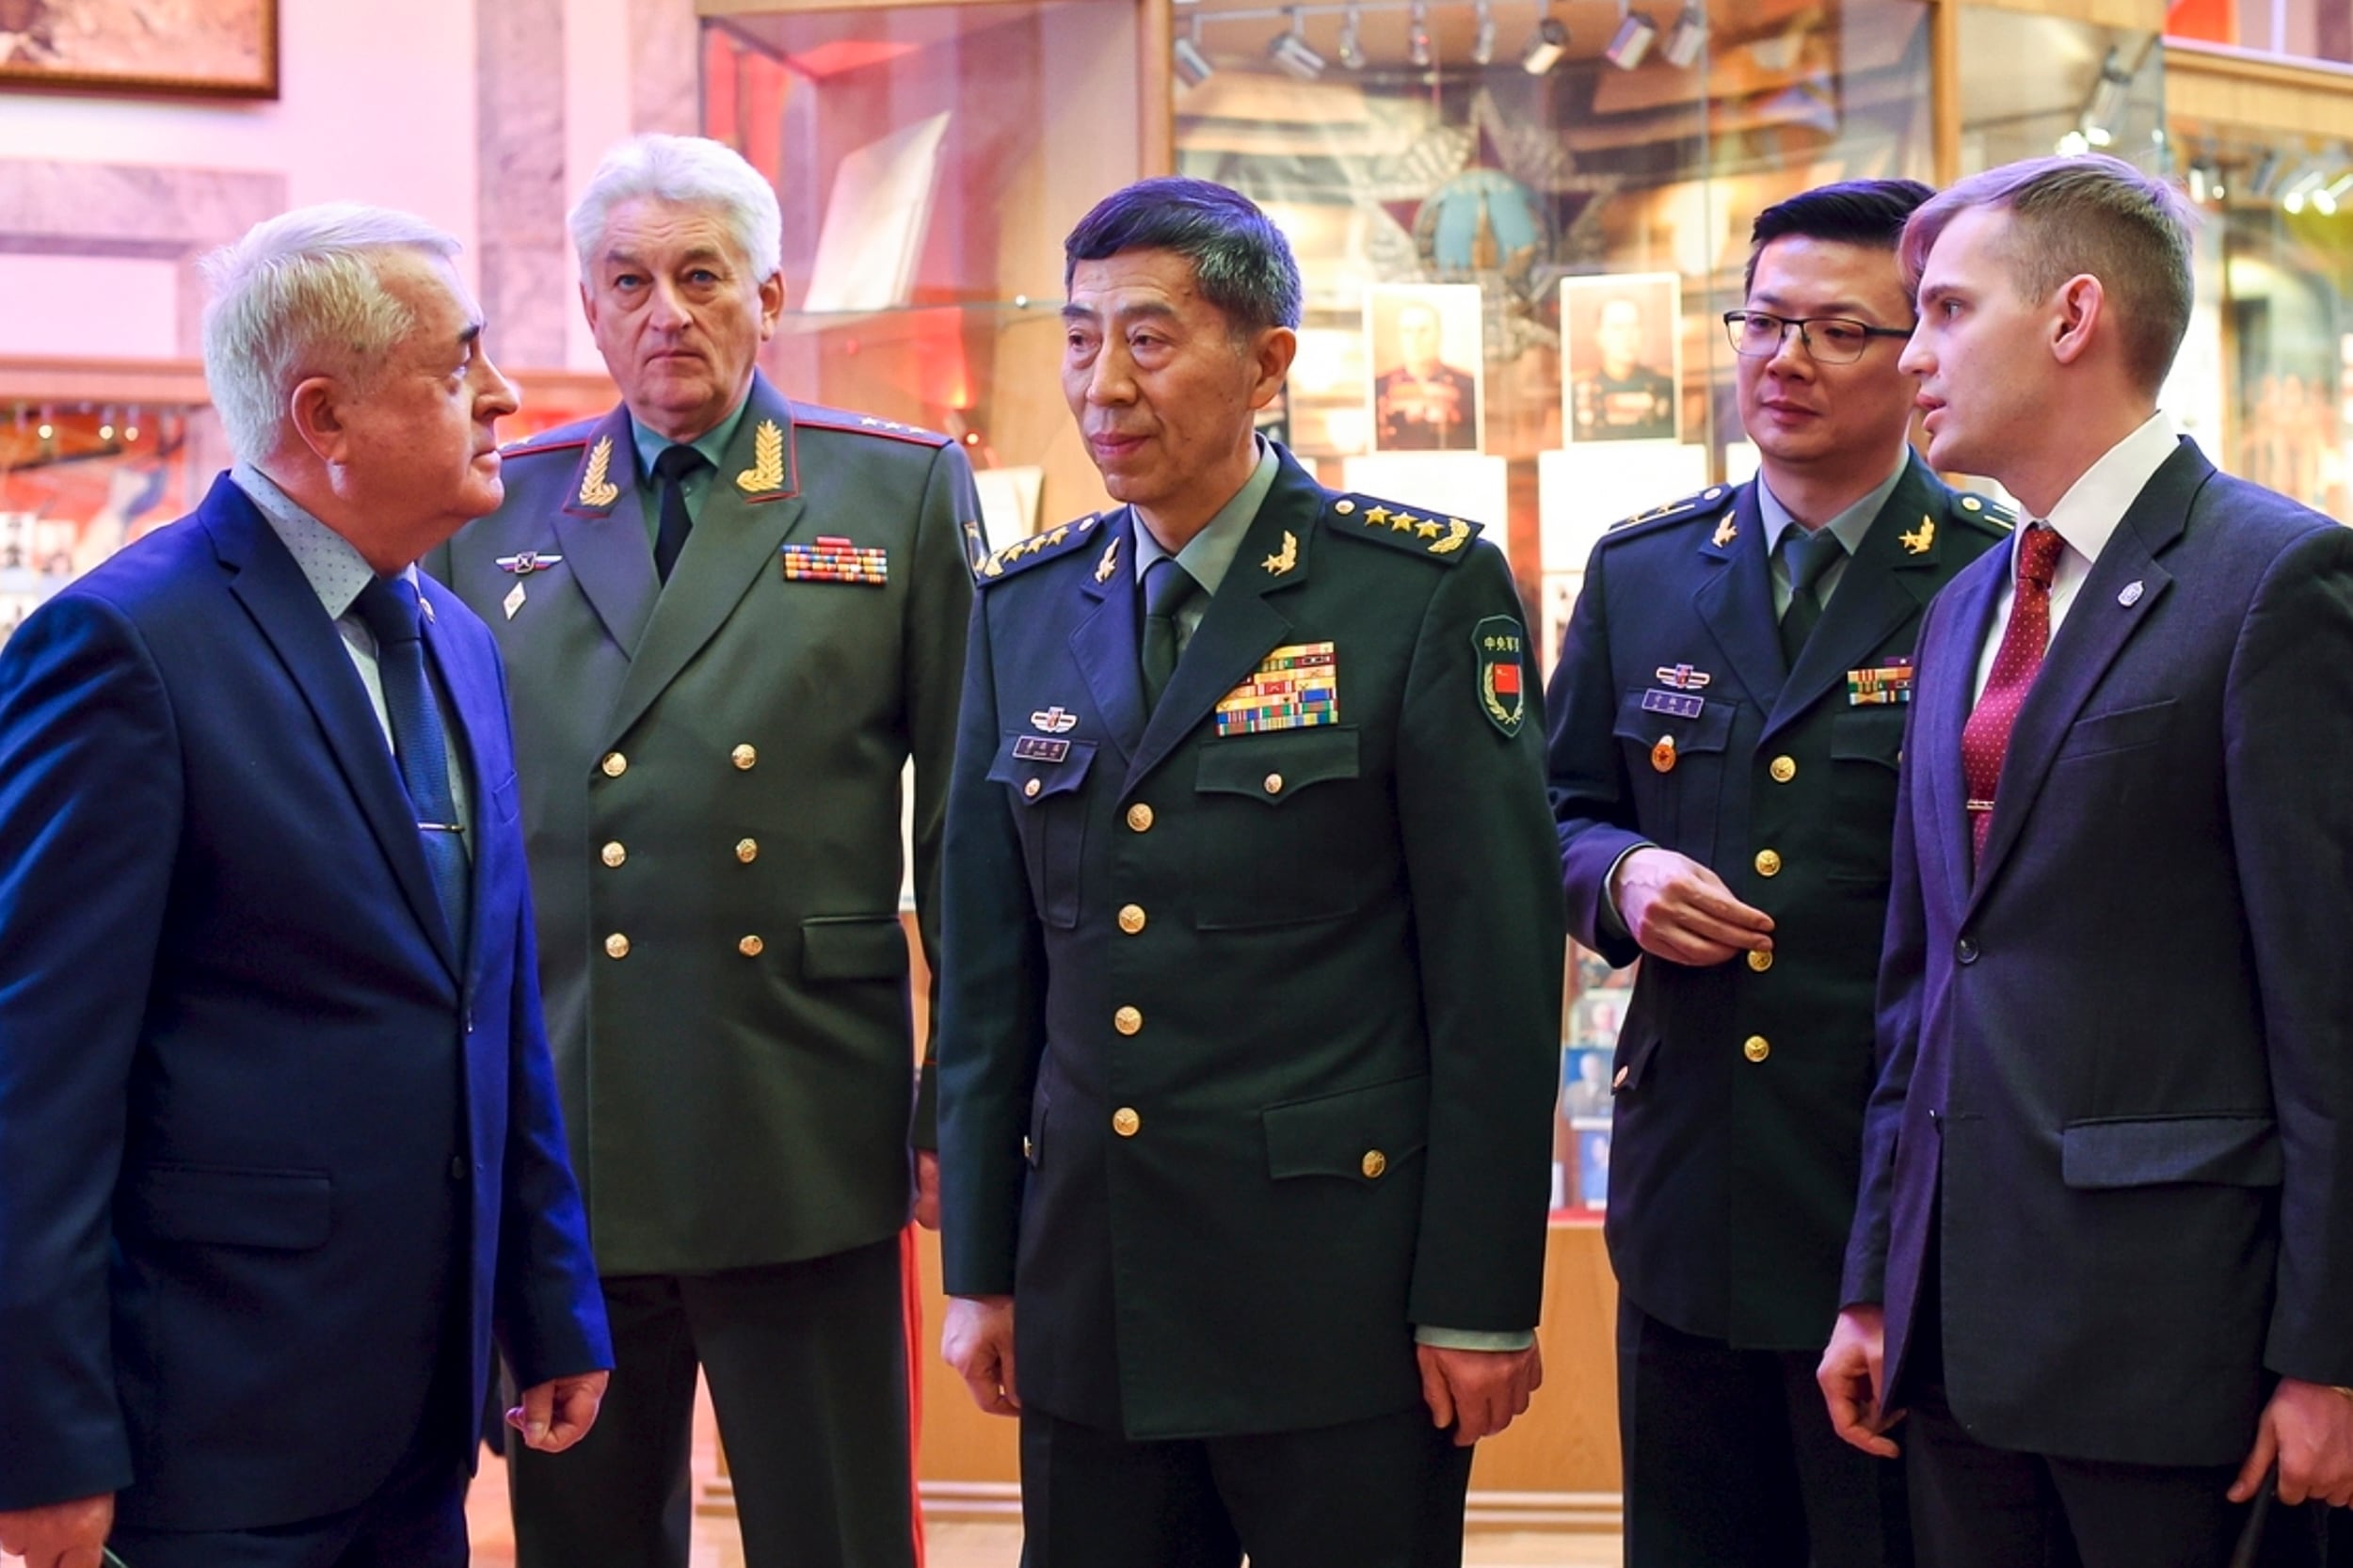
2130	594
1662	756
513	602
1682	677
1056	720
528	562
1497	640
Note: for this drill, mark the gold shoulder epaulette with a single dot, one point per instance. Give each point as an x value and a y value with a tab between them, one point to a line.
1991	514
1432	536
1707	502
1060	539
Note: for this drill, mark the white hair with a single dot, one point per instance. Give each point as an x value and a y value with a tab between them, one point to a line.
690	171
302	295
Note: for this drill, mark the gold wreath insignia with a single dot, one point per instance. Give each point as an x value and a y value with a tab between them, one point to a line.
1457	531
1725	533
1286	558
1918	541
596	487
767	470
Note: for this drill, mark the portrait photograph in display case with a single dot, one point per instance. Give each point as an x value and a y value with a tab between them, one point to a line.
1620	358
1426	362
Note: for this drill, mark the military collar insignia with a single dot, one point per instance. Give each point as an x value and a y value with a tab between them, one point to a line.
1918	540
1284	559
1110	563
1726	530
767	470
596	488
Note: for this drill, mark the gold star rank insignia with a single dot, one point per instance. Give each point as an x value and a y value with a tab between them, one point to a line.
1286	558
1918	541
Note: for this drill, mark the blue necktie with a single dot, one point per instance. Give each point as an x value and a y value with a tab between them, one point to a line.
389	606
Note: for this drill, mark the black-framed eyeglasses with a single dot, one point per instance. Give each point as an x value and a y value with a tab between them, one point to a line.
1831	340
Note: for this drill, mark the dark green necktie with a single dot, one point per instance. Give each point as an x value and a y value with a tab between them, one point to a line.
1810	556
1167	589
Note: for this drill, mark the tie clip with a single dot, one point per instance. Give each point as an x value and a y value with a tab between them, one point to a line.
1979	806
440	828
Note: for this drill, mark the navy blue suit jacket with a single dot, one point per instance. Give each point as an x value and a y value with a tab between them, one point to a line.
2118	1067
273	1148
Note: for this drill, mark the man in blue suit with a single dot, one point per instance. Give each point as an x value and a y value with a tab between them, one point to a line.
2104	1249
283	1152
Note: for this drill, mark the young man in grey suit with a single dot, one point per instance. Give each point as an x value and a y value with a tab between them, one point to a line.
730	619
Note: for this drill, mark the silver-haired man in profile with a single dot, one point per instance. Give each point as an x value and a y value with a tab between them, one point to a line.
730	619
281	1136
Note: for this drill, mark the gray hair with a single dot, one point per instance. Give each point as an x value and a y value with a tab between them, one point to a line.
303	295
691	171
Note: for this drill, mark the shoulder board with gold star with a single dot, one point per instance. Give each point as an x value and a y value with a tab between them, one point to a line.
808	418
1060	539
1432	536
1984	512
1691	508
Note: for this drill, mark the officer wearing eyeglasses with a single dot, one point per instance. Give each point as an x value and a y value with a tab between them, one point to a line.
1727	719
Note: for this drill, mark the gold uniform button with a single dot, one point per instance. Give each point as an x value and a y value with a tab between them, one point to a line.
1029	789
1139	818
743	757
1756	1047
750	947
614	764
1130	918
1768	863
1127	1020
613	853
1274	783
616	946
1784	769
1344	507
747	850
1375	1163
1126	1122
1760	962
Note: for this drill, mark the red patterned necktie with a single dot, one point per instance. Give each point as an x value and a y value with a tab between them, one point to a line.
1985	739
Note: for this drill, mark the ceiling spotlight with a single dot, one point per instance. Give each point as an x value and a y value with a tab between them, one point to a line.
1689	37
1545	49
1293	53
1351	50
1192	67
1636	33
1484	40
2104	109
1417	34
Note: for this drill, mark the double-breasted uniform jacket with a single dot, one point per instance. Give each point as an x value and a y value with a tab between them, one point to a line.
711	783
1270	1007
1740	1087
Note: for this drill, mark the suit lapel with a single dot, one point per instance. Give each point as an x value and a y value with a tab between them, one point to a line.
1943	693
266	580
1240	627
603	532
1734	601
2099	623
471	688
1105	642
751	508
1884	586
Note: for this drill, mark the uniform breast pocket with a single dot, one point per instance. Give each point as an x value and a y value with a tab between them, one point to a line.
1290	830
1678	765
1050	811
1866	748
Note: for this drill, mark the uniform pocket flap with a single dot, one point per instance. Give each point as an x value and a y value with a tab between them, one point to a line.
1273	769
1039	767
225	1207
1357	1133
1709	730
2151	1151
852	946
1867	737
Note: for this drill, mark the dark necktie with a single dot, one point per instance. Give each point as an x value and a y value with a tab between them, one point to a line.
1985	739
1810	556
1167	587
676	465
420	745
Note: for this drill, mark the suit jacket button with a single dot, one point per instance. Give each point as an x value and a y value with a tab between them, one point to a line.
743	757
1130	918
750	947
616	946
1756	1047
614	764
1784	769
1760	962
613	853
1127	1020
1966	950
1139	818
1126	1122
747	850
1767	862
458	1167
1375	1163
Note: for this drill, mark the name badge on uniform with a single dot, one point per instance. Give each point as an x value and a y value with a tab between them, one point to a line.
1294	687
1880	685
1037	749
1681	705
834	560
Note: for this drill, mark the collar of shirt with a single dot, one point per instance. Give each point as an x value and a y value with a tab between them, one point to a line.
2088	515
1209	554
1851	526
712	443
332	563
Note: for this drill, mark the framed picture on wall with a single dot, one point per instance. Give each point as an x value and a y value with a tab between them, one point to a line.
1426	362
141	48
1621	358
